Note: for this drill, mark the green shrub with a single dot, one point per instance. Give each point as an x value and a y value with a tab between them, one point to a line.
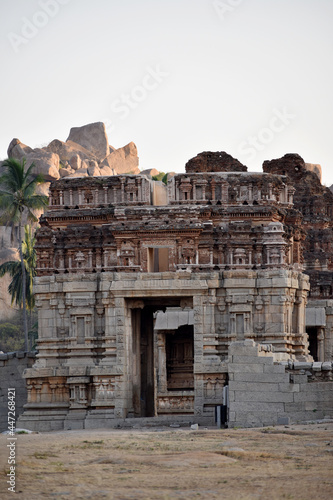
11	337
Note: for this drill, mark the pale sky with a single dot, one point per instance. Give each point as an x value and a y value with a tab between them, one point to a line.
253	78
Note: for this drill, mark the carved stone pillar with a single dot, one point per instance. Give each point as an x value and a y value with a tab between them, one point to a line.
213	185
105	258
98	258
321	344
90	264
105	194
224	192
122	182
114	195
250	193
139	184
211	256
194	190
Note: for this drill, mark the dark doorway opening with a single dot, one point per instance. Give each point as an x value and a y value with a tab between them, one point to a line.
143	362
144	373
313	342
180	359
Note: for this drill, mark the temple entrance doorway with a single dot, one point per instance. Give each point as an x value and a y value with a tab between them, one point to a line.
161	361
143	362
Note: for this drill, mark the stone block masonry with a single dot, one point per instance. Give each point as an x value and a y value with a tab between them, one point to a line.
224	249
12	366
263	392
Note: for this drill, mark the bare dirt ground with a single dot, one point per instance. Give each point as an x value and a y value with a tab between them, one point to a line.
294	462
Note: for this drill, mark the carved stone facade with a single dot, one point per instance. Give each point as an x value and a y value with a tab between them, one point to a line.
138	303
315	203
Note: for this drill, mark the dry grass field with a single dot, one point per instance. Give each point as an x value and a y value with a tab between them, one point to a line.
294	462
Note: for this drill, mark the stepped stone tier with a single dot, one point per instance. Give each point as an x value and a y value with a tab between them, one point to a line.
315	204
140	297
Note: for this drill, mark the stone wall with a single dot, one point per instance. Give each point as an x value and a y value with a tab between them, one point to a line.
263	393
12	366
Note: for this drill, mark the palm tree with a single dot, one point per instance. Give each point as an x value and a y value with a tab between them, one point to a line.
17	194
13	268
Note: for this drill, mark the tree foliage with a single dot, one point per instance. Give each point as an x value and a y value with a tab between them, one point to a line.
161	177
11	338
18	194
14	269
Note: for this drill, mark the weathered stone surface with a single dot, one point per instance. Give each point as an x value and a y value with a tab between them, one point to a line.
159	194
315	203
316	316
92	137
80	172
93	169
64	172
75	162
104	170
18	150
150	171
46	164
261	399
316	168
123	160
67	150
209	161
291	164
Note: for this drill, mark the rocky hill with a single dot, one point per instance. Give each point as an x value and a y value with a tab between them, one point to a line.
86	152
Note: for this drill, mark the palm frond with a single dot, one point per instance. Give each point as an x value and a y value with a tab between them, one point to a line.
14	269
9	267
37	201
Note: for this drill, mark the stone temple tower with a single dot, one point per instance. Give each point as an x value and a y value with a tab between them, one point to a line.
140	294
